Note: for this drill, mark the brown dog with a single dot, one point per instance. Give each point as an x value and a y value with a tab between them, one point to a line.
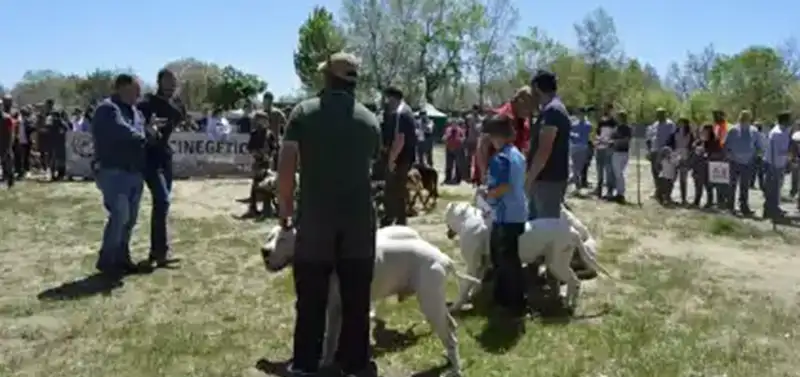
426	180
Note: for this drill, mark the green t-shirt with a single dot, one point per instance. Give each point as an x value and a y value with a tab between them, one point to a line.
338	138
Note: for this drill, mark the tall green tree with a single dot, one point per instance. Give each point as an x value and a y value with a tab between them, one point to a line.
233	88
755	79
318	38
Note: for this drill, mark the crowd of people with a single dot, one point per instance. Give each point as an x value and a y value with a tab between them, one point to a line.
754	154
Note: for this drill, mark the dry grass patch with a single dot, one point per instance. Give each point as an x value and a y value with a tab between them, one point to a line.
220	312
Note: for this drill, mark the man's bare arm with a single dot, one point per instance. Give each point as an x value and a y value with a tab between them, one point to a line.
482	154
545	147
287	167
397	146
287	162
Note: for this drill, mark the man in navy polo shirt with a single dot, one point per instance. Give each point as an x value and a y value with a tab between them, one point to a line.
163	111
548	156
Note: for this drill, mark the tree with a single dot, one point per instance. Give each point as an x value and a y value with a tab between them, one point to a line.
493	22
194	79
319	38
698	68
598	44
755	79
233	87
95	86
380	32
441	39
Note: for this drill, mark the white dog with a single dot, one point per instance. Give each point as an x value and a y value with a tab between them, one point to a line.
405	264
556	240
473	229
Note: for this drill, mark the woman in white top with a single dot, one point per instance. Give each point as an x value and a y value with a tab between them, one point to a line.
217	126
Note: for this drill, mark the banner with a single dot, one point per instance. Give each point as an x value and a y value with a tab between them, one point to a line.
194	155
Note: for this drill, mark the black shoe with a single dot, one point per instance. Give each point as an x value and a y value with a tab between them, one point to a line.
370	371
299	373
161	261
118	270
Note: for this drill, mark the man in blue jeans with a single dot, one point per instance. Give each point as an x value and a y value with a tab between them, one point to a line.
118	132
548	156
164	111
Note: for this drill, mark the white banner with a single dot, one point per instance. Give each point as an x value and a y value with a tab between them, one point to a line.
194	155
719	172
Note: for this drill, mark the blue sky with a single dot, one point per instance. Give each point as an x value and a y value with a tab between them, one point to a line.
260	35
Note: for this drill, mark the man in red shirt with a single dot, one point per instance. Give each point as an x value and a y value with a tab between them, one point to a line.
8	131
519	110
454	136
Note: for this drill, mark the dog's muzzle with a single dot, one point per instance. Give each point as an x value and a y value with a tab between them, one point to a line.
451	234
265	253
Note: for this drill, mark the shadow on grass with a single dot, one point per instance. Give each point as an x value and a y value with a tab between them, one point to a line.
92	285
281	369
390	340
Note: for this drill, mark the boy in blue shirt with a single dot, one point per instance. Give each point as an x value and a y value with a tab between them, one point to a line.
505	193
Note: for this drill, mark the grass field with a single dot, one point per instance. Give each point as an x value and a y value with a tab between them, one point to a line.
695	294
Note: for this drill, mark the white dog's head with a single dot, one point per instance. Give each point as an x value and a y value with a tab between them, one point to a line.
278	251
455	215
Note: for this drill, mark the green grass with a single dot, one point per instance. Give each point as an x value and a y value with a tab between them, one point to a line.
220	313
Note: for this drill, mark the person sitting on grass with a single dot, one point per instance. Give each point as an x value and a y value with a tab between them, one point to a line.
505	193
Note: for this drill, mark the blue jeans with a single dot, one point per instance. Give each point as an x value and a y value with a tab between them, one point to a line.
772	190
425	151
159	182
605	174
741	176
579	155
122	192
545	198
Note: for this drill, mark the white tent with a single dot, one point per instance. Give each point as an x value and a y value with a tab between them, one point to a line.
432	111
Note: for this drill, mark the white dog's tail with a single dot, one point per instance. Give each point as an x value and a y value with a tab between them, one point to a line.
463	276
587	251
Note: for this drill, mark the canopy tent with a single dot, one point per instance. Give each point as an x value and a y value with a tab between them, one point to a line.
432	111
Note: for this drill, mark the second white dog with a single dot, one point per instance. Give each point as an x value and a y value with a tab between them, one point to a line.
541	239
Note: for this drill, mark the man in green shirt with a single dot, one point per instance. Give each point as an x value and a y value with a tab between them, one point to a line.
335	138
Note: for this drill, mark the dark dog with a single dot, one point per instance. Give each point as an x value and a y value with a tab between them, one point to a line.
428	181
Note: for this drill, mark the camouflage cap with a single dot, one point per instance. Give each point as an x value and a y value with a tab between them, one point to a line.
343	65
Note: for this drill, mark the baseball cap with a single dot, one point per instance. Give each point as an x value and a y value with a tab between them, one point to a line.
343	65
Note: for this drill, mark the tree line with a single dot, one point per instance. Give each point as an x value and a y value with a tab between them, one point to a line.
203	86
457	53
